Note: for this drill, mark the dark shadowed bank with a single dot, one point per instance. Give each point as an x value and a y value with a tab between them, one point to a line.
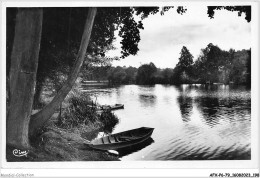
65	136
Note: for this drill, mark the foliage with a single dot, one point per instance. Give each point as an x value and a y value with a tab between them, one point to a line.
185	60
163	76
109	120
131	73
248	66
98	73
183	68
122	75
213	65
241	9
79	113
61	35
117	75
146	74
241	69
216	65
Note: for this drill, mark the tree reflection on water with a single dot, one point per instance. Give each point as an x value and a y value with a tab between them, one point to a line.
185	104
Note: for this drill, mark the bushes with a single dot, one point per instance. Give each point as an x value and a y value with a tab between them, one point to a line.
109	121
82	114
77	113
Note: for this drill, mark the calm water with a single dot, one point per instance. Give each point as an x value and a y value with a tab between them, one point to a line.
191	121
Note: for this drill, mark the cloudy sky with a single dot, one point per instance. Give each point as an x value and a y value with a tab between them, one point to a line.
164	36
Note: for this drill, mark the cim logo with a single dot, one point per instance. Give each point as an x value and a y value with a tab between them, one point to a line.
20	153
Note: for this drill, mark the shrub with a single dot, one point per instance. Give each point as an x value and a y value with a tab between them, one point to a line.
81	114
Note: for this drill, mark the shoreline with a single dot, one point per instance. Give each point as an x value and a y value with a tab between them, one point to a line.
58	144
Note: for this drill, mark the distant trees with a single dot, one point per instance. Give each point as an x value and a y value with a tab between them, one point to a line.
185	60
241	68
117	76
164	76
208	63
248	67
146	74
122	75
98	73
213	65
216	65
131	73
183	69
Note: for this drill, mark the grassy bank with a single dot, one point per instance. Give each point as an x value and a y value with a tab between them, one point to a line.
65	136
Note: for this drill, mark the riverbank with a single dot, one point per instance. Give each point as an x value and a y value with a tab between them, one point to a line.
57	144
66	135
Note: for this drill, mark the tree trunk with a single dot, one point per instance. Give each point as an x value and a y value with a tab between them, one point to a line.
38	90
24	63
38	119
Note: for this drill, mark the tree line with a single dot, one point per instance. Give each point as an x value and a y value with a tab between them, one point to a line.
213	65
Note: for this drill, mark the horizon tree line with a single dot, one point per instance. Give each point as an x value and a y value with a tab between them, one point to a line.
213	65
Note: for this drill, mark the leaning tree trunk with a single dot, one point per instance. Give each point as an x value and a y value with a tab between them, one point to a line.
38	119
24	63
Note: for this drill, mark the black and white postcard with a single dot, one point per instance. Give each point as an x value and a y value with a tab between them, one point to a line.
107	86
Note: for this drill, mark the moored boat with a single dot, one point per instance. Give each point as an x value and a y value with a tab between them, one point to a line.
105	107
113	107
122	139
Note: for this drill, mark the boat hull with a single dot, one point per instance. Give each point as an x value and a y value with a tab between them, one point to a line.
97	144
113	107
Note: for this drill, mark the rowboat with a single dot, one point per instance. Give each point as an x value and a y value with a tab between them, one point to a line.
122	139
107	107
112	107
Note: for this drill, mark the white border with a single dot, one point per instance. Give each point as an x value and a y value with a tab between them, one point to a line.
138	166
114	3
124	172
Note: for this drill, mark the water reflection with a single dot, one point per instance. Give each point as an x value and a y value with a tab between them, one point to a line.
185	88
185	104
214	102
129	150
195	122
147	100
208	107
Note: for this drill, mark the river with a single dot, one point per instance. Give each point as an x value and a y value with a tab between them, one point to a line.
192	122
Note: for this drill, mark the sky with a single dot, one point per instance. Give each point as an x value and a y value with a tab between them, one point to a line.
164	36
